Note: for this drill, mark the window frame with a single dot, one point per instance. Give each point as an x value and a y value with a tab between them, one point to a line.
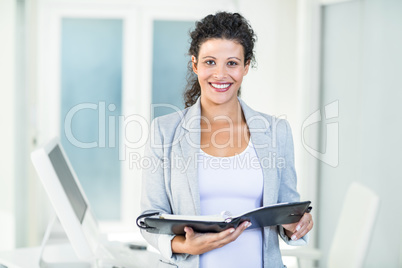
309	85
49	89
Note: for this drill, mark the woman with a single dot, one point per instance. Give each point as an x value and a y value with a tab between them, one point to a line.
219	154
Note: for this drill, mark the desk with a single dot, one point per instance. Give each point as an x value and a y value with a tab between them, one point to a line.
20	258
29	257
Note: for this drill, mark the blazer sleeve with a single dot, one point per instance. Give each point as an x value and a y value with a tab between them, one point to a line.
154	196
287	190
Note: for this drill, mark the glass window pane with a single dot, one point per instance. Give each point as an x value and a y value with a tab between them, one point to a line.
169	66
91	91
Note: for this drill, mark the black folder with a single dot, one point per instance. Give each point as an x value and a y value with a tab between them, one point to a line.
276	214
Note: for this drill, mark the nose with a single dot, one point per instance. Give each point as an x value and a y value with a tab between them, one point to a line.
220	72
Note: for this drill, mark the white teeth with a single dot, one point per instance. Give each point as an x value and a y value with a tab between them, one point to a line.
220	85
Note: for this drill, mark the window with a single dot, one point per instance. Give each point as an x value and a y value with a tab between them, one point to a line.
170	46
90	100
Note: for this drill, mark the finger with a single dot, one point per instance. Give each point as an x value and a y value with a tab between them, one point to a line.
305	230
231	236
217	237
304	221
300	226
232	231
291	226
189	232
302	229
224	234
243	226
294	227
238	231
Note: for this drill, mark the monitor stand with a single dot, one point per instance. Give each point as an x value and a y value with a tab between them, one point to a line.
56	255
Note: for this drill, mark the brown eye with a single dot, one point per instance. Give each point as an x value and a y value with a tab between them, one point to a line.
232	63
210	62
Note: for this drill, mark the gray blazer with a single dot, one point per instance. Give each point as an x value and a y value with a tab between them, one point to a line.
170	183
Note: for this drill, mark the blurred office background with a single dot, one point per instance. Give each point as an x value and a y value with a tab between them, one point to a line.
88	72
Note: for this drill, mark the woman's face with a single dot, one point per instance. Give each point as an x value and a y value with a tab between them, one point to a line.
220	68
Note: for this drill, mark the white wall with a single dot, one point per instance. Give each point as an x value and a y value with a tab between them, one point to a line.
7	123
271	86
362	63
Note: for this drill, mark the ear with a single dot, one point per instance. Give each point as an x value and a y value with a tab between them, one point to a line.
194	63
246	67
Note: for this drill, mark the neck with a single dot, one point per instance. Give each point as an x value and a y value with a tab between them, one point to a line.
230	111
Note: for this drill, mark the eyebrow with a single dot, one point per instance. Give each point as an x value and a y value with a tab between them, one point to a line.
227	58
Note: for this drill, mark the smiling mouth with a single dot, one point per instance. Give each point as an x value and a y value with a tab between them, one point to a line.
221	87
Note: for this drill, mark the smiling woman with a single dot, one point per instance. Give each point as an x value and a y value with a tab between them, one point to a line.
219	127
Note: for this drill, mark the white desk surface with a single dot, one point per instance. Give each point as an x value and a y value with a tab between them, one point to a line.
20	258
29	257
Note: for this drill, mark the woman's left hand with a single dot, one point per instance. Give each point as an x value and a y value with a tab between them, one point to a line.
299	229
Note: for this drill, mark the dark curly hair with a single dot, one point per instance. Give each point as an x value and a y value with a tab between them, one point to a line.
222	25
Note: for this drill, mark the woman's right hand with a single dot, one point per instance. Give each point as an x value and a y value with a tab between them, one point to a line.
198	243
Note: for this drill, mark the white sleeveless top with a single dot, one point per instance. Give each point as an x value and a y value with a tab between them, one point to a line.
233	184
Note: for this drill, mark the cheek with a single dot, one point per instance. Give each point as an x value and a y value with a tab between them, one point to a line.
238	74
203	74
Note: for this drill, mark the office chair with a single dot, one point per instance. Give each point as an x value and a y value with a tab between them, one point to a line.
350	242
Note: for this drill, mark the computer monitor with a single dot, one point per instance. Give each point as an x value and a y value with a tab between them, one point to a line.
67	197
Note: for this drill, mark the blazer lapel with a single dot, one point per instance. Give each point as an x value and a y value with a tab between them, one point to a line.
261	136
190	147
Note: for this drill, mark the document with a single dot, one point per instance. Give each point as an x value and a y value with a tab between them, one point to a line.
282	213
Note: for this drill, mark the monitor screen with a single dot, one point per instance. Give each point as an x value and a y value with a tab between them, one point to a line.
66	178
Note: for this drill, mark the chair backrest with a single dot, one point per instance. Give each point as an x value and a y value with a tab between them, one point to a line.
353	231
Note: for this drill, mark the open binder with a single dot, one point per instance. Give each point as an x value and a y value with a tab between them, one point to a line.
276	214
